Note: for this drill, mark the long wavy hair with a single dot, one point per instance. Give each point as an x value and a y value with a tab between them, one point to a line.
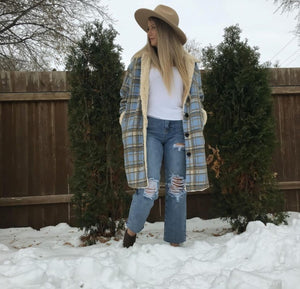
168	53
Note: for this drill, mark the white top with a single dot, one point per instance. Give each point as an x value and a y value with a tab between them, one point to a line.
162	104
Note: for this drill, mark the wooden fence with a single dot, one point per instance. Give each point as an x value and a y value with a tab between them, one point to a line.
35	162
285	84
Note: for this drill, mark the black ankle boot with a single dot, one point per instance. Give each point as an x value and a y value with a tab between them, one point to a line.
128	240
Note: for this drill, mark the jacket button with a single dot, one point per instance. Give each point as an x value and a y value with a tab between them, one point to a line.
187	134
188	154
186	115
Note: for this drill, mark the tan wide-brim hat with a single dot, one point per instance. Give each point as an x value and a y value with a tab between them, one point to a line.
165	13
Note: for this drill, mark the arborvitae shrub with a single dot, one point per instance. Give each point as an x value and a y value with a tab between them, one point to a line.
240	132
98	182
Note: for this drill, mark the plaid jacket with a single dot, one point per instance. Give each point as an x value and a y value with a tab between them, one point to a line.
133	120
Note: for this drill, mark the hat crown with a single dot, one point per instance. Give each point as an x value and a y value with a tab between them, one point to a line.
168	13
164	13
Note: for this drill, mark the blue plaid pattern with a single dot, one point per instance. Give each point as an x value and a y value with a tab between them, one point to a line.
132	123
193	124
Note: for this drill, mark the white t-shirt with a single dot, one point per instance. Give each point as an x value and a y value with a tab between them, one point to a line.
162	104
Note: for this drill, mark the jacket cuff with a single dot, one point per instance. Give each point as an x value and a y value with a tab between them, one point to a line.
121	117
204	116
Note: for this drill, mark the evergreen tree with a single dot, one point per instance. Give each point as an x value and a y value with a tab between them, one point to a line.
240	132
98	182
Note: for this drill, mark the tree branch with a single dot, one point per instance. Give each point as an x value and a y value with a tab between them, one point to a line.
20	16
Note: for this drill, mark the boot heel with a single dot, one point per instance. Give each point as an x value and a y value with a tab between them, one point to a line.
128	240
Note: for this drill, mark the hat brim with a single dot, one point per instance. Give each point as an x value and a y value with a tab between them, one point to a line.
142	15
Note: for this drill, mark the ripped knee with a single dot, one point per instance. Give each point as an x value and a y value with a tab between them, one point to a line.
151	192
179	146
177	187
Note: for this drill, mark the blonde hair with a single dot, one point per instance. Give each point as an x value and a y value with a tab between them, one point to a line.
168	53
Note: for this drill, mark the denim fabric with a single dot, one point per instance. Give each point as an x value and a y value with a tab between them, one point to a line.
165	141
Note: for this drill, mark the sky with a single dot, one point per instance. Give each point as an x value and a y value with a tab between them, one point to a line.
204	22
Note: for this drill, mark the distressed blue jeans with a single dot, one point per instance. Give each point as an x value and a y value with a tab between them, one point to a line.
165	142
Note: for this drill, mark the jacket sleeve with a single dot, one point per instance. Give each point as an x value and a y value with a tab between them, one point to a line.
201	94
125	89
199	81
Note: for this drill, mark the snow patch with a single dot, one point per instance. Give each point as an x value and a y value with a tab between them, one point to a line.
213	257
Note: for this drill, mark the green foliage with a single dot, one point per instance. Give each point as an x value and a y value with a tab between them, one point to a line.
240	132
98	182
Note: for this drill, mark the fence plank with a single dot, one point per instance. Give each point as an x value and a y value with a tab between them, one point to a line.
34	96
287	156
35	200
285	77
289	185
38	215
26	81
287	90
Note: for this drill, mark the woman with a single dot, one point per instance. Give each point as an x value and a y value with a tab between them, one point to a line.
162	118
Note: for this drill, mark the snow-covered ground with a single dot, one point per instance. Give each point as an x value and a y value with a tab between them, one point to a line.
264	257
